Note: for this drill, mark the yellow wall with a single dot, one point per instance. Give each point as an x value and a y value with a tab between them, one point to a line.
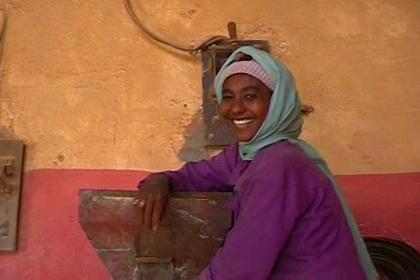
84	88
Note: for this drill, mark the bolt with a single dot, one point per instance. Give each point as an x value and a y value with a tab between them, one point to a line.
9	169
215	119
212	96
4	229
211	136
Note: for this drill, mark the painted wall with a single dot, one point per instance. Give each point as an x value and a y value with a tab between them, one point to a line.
84	88
53	246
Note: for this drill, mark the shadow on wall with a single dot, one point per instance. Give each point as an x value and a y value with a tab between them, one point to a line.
194	148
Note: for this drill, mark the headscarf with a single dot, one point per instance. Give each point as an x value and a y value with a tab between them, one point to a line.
284	122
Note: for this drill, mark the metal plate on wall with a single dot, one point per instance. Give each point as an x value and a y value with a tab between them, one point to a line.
193	228
218	133
11	158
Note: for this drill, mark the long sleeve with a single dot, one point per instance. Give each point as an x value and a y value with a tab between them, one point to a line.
289	224
206	175
270	206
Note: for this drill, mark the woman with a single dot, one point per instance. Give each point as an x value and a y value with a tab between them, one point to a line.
290	220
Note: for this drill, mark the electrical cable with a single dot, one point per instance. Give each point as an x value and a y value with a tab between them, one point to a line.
3	31
192	50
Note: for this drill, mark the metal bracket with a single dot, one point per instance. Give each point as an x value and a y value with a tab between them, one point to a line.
11	159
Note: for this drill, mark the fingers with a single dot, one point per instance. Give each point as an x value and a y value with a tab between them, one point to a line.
140	205
151	200
148	211
141	215
138	202
158	211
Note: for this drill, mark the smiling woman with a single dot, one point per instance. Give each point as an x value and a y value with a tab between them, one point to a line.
290	218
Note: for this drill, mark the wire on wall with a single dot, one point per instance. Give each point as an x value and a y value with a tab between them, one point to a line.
3	11
191	50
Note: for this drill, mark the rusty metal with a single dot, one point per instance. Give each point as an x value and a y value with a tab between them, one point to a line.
217	131
11	160
193	227
232	30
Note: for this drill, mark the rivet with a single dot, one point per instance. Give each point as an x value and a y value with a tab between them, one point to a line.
211	136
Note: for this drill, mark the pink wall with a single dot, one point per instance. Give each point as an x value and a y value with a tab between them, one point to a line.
387	205
53	246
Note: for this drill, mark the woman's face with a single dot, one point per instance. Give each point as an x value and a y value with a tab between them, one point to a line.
245	103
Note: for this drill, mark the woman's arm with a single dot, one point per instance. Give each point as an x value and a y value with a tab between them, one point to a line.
203	176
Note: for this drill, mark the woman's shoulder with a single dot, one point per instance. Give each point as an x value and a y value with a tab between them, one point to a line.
286	169
287	158
283	153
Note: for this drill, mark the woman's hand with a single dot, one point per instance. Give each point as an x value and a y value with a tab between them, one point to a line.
151	199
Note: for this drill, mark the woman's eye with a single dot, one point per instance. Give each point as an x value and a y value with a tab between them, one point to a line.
250	96
226	97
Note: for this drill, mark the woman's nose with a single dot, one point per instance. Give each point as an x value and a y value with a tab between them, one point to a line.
237	106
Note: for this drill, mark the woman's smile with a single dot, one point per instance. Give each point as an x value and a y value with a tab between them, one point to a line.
242	123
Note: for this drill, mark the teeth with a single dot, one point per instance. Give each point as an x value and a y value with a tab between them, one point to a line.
241	122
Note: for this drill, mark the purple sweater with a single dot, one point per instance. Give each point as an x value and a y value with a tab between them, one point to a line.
288	221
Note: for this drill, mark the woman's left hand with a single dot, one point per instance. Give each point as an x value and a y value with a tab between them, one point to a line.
151	199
